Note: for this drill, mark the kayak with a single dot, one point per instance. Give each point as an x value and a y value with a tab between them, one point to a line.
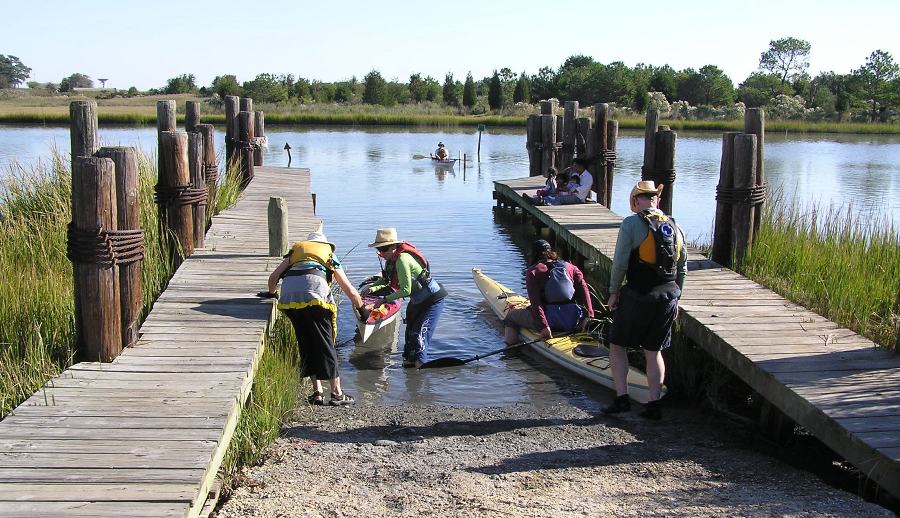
562	351
446	162
378	318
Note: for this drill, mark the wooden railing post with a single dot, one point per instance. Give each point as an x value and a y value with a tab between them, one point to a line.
174	175
755	123
210	167
99	327
165	121
598	163
245	144
278	226
191	116
651	125
581	139
259	130
742	212
569	132
128	211
612	136
548	139
195	169
533	144
721	245
85	140
231	130
665	167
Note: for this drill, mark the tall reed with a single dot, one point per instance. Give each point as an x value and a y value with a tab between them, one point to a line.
841	263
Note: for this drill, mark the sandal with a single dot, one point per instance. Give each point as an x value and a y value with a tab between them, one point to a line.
341	400
316	399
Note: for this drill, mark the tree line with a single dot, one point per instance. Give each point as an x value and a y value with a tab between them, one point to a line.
782	83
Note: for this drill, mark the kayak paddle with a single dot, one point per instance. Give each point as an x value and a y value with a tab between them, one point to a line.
453	362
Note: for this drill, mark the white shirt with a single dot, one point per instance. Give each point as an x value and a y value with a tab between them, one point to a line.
584	190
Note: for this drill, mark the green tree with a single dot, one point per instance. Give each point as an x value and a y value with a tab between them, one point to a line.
432	89
663	79
375	91
132	91
226	85
448	92
12	71
496	95
716	89
301	90
469	96
875	83
75	80
343	92
266	88
786	58
416	88
323	93
183	84
544	84
522	93
759	88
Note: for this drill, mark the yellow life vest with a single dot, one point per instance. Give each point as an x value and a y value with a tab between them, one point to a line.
662	235
306	251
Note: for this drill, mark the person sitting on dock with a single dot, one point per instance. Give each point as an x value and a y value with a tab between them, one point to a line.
407	271
441	152
583	182
559	296
308	271
650	252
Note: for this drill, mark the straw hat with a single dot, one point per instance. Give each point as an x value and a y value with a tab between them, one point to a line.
646	187
319	237
384	237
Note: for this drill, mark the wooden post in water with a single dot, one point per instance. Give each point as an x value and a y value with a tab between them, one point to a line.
83	128
534	144
165	121
721	245
548	107
246	104
259	129
191	116
278	226
210	168
174	177
569	132
245	146
665	167
755	123
548	140
128	217
612	135
598	163
198	182
99	326
231	130
742	212
581	138
651	125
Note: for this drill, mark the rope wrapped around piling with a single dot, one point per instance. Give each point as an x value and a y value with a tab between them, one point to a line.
608	156
755	195
664	176
104	247
179	195
540	146
211	173
244	145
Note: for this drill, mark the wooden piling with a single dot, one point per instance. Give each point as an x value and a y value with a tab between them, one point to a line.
198	181
651	124
721	245
278	226
548	107
210	167
99	327
259	130
665	167
569	133
755	123
612	136
533	144
548	142
598	163
165	121
245	145
83	128
231	130
191	116
178	217
581	138
745	154
128	217
247	104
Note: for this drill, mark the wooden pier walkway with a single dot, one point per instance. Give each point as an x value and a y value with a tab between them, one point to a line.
146	434
828	379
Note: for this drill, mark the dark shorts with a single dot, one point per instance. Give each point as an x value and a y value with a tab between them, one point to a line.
315	338
645	321
520	318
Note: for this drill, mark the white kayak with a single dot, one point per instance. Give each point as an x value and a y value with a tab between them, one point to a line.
561	350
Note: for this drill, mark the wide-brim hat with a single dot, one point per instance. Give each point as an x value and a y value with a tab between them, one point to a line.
319	237
440	144
646	187
385	237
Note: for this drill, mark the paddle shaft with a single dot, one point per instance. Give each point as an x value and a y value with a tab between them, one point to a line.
451	361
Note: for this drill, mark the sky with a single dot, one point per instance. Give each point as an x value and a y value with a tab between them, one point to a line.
143	44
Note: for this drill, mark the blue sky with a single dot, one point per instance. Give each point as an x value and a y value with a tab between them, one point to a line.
143	44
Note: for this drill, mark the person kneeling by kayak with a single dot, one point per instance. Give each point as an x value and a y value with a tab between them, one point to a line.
406	271
559	296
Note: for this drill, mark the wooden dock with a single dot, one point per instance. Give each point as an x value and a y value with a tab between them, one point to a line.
145	435
830	380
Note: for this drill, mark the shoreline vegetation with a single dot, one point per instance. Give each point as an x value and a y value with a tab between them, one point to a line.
142	111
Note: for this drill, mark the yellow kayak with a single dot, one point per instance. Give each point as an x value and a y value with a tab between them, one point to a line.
560	350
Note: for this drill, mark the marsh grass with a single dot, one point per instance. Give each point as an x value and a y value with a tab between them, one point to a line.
37	314
840	262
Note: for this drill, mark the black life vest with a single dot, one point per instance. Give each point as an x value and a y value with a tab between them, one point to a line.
655	261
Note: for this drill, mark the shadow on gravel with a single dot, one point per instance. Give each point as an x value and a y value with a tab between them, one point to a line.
602	455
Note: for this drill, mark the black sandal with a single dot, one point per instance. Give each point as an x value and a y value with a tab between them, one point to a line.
316	399
341	400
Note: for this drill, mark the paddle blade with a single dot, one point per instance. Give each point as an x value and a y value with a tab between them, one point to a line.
419	157
444	362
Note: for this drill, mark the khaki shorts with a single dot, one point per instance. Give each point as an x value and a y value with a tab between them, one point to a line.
520	318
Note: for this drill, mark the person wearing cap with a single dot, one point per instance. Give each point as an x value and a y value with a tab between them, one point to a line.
583	183
407	272
650	252
441	152
543	315
308	271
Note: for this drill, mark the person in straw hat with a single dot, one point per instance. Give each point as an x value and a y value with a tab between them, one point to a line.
650	252
308	272
407	272
440	152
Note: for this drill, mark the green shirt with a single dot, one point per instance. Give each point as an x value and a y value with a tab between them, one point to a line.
408	270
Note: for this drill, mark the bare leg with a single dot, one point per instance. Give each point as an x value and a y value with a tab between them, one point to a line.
317	384
510	335
618	359
336	386
656	372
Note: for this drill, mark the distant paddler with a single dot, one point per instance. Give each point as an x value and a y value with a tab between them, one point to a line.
441	152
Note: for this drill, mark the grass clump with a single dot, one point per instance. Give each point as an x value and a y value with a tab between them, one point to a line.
841	263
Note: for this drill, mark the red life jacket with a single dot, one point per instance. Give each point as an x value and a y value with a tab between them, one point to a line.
391	268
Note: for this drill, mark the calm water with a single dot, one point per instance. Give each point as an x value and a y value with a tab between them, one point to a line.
367	178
